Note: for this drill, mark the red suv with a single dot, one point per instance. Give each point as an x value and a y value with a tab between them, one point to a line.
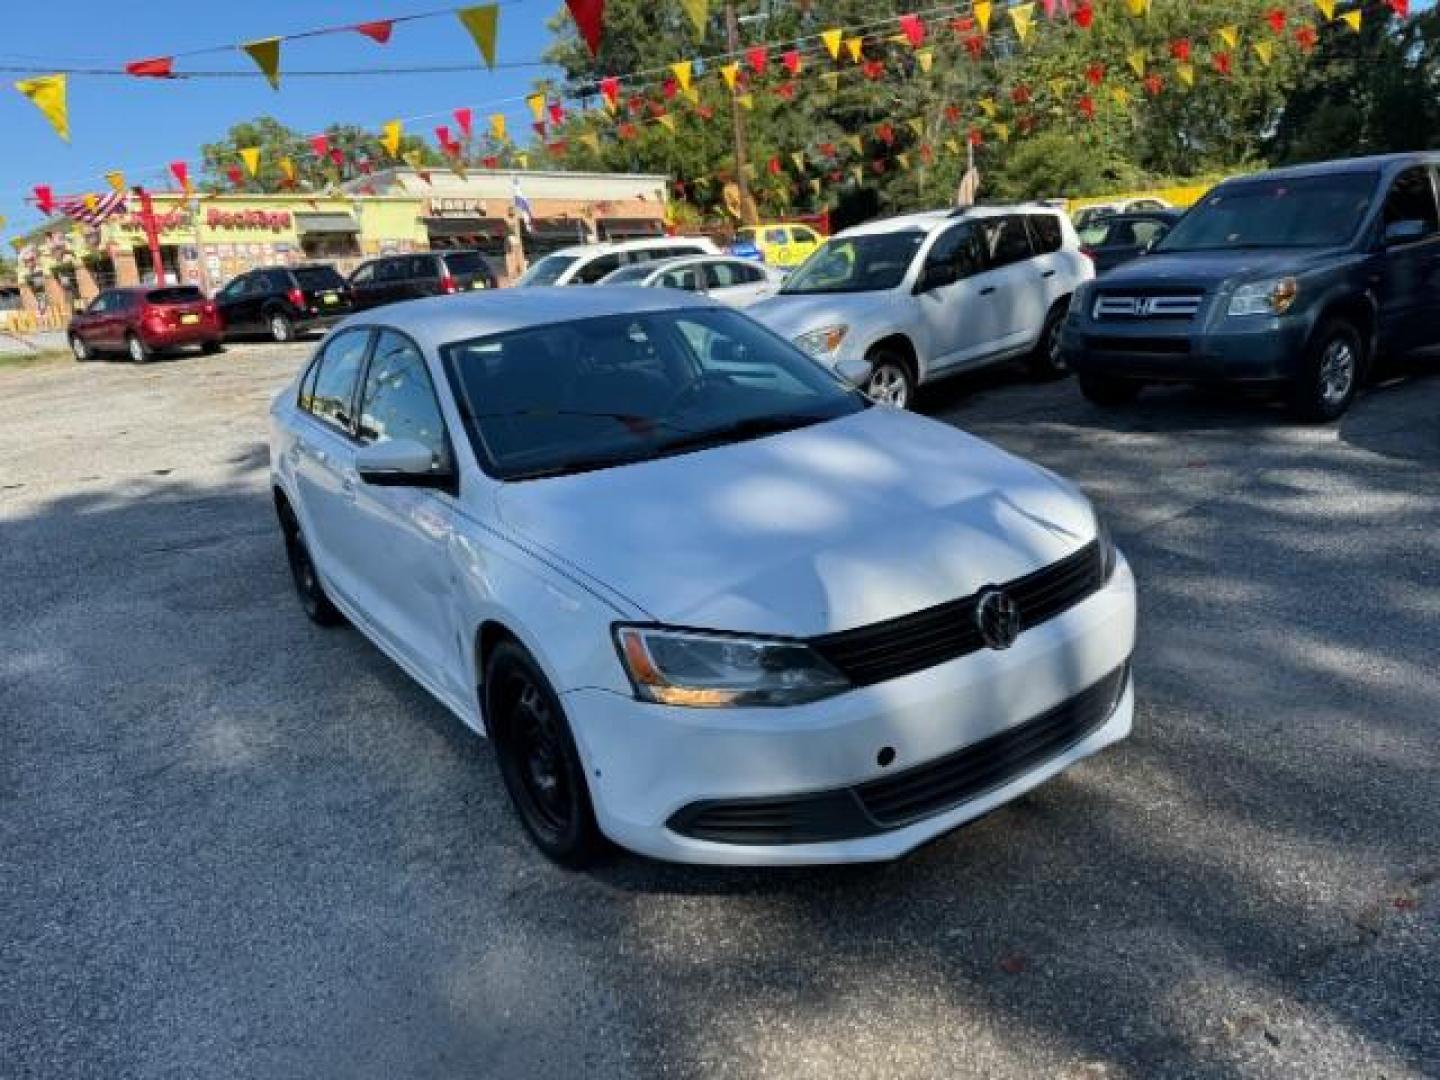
143	321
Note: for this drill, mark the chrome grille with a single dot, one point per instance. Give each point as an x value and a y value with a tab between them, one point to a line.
1178	306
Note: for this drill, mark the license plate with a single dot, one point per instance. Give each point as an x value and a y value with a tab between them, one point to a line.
330	298
477	284
190	319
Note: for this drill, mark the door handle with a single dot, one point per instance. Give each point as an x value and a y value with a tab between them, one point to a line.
1047	273
987	290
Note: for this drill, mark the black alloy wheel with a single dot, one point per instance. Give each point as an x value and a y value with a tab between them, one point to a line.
308	588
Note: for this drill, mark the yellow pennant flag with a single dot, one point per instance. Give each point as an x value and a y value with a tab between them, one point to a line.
699	13
925	58
982	11
1121	96
730	73
987	106
682	72
917	125
1022	15
904	160
537	106
857	174
1353	19
266	54
1136	59
832	80
855	143
592	140
1265	50
799	159
831	38
523	159
47	93
747	101
692	95
1058	87
250	155
390	137
1230	35
815	186
1186	73
482	21
91	203
116	179
288	168
666	121
1002	132
952	146
1138	8
853	46
497	126
1326	8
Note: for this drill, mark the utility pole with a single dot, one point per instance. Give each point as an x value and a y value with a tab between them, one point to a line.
737	122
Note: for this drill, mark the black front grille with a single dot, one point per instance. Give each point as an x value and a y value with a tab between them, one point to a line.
922	639
906	797
1139	346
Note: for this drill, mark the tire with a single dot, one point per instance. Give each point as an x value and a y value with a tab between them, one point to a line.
210	348
1107	392
890	381
1046	361
1330	375
81	349
538	760
308	587
136	349
281	328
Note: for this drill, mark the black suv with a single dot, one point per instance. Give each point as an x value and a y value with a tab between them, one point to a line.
283	301
1293	280
410	277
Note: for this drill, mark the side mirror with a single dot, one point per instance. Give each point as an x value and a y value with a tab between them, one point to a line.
402	463
937	276
1404	232
854	371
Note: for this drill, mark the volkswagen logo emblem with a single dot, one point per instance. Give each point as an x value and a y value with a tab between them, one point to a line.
997	617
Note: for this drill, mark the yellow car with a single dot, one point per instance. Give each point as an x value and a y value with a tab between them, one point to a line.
780	244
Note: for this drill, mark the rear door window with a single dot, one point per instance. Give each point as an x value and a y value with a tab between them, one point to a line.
1045	233
1412	198
331	398
1006	239
423	266
597	268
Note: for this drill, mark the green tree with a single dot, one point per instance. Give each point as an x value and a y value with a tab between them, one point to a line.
277	141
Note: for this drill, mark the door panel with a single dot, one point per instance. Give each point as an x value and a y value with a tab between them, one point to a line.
959	319
1021	287
1410	292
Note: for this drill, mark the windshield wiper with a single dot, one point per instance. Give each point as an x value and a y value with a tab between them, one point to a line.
749	428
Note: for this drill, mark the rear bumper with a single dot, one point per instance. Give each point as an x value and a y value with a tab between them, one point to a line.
1265	351
180	336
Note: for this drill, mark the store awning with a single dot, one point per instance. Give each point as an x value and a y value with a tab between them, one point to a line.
630	228
331	224
465	226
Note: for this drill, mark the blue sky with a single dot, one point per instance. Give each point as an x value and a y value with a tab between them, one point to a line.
139	125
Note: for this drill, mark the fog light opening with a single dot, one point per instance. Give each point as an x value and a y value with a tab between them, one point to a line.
885	756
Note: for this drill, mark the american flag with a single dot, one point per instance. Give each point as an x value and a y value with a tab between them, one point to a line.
522	206
92	209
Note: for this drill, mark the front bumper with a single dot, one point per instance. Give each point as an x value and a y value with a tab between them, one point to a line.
1257	350
651	766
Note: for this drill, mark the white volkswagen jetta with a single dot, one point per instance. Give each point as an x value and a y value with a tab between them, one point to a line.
707	600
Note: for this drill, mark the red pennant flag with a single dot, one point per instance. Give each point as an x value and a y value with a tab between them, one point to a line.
1221	60
442	135
786	90
1154	84
827	149
952	114
636	104
610	90
878	165
656	109
1305	38
975	137
874	69
1095	74
464	120
237	178
1084	16
913	29
885	133
378	31
627	130
791	60
181	172
588	15
539	126
44	199
963	25
321	145
490	162
1401	8
1277	18
975	45
452	150
159	67
669	88
927	155
774	166
836	175
337	156
1020	95
1180	50
557	113
557	147
1086	106
758	56
365	166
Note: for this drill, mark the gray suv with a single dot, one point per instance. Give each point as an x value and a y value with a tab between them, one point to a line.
1293	280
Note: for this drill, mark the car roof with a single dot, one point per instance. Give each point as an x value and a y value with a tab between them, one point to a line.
1374	163
441	320
930	220
604	247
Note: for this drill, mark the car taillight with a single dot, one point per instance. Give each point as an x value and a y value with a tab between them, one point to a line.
297	297
152	315
447	283
209	309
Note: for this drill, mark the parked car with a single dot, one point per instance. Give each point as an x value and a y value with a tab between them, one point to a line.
1114	240
586	264
718	606
782	243
925	295
1096	212
737	282
283	301
140	322
1292	280
391	278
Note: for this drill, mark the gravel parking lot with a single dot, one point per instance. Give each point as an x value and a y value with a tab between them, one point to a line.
234	845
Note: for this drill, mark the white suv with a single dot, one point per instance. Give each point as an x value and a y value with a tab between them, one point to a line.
586	264
925	295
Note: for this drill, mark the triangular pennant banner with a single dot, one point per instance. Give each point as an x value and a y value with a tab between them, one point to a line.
250	155
537	105
390	137
1326	8
47	93
1353	19
982	11
698	12
116	180
1022	15
378	31
287	167
1136	59
1138	8
497	126
482	21
588	16
925	59
1265	50
853	46
913	29
1186	73
266	54
731	74
1230	35
682	72
832	39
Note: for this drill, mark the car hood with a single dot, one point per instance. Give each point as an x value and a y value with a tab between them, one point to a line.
828	527
791	316
1211	268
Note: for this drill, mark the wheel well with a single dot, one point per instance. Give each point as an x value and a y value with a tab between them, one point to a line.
1358	312
490	634
283	509
900	345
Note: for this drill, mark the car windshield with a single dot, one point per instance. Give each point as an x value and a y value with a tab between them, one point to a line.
548	270
1305	212
629	275
619	389
465	262
866	263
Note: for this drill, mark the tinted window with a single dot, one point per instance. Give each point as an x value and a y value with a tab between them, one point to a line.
331	396
184	294
1045	233
776	236
467	262
629	275
617	389
1276	212
547	271
962	247
719	275
1412	198
423	266
687	278
398	401
277	280
596	269
1006	240
1147	230
319	277
236	289
364	275
864	263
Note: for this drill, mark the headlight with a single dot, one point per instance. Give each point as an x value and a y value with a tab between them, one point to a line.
824	342
1273	297
704	670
